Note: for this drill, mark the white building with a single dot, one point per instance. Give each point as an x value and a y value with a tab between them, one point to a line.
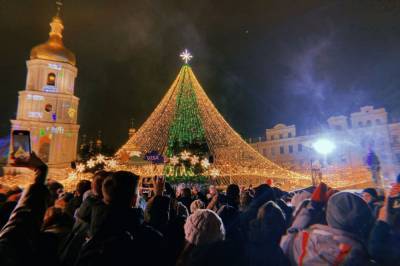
354	136
47	107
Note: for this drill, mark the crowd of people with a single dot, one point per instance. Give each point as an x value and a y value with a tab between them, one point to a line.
107	221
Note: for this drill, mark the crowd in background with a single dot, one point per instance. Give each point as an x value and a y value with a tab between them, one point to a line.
107	221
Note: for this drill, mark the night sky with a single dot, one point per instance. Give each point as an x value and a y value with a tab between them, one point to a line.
261	62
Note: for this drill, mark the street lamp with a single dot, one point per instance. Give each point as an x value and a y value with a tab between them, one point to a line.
323	147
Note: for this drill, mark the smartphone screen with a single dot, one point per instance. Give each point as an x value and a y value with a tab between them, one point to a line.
21	145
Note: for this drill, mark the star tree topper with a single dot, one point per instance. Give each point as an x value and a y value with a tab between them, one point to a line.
186	56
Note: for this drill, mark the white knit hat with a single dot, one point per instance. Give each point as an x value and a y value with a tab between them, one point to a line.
204	227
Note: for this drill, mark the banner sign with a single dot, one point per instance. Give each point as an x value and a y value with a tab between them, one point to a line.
154	157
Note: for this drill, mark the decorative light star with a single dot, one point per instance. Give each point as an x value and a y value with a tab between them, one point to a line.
186	56
174	160
100	158
112	163
80	168
91	163
205	163
194	160
185	155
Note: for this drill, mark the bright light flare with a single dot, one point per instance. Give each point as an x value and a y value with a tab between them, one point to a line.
324	146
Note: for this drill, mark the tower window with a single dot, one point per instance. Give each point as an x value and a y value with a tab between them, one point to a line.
51	79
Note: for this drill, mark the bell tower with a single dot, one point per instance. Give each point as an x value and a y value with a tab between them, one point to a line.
48	107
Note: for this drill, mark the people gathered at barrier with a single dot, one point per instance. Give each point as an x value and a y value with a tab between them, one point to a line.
109	221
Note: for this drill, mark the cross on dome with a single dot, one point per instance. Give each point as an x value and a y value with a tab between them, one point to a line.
186	56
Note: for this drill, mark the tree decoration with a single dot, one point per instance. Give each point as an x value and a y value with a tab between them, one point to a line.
112	163
100	158
80	168
185	155
186	119
174	160
205	163
194	160
91	163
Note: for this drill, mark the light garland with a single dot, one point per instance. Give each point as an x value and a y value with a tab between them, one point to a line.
233	157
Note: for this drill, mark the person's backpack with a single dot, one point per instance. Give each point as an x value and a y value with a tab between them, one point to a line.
323	245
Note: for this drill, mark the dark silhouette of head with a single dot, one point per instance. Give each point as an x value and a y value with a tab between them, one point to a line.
120	188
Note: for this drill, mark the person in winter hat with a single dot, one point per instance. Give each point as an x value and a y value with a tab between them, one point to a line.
204	227
370	195
340	242
204	234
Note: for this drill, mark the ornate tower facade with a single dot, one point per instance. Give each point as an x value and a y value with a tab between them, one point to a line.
48	107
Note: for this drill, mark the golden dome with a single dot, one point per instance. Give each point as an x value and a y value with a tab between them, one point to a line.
54	48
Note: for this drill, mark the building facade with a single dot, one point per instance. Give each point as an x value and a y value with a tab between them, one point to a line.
354	136
48	107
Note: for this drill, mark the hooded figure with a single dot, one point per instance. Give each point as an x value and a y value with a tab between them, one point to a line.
230	217
341	242
265	233
263	194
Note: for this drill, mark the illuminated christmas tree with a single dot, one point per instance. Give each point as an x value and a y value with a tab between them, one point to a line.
186	131
187	121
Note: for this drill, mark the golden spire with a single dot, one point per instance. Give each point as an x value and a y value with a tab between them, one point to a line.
57	24
54	48
59	4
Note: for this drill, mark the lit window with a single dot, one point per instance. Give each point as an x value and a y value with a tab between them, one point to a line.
281	150
51	79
